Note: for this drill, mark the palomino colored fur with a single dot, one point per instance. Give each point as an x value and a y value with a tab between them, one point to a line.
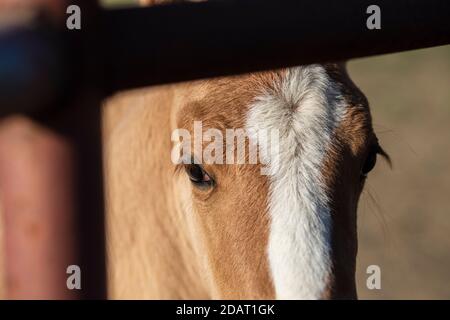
170	239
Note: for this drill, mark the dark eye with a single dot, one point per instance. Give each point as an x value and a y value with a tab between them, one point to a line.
198	175
370	162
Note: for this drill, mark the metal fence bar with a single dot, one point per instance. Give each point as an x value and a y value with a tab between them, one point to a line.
198	40
186	41
79	121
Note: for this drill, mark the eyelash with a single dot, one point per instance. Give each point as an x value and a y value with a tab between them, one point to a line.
372	158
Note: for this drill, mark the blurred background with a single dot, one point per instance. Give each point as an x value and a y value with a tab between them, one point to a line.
404	212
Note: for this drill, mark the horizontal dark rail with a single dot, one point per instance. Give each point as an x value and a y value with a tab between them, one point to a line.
185	41
196	40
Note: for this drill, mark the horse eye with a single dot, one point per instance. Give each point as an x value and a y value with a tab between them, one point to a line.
198	175
370	162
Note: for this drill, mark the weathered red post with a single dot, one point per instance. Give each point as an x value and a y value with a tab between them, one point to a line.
50	162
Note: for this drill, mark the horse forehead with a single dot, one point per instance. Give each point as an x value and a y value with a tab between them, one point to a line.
225	102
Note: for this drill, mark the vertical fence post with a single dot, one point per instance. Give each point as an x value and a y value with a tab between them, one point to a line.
51	170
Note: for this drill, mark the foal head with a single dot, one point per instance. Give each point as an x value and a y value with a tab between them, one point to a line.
285	225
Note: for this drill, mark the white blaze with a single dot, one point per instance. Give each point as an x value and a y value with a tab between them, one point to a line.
305	107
